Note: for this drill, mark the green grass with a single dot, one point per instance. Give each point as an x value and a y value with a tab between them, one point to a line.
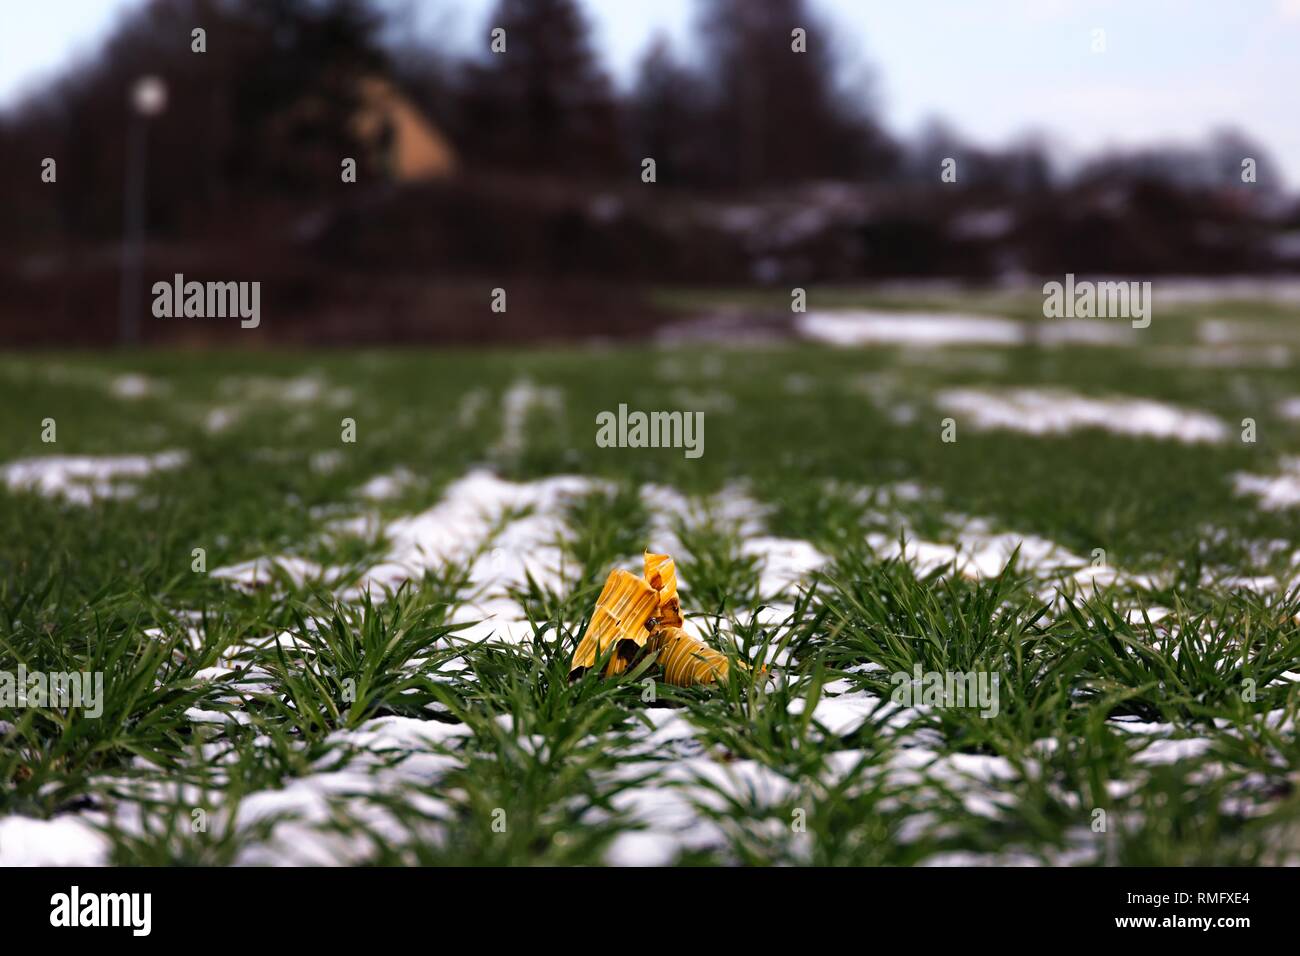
520	766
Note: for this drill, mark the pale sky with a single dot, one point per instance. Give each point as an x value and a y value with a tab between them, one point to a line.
1172	70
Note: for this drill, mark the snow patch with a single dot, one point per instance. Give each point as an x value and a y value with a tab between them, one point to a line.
1049	411
64	841
520	401
475	512
855	328
131	386
383	487
81	479
784	563
979	554
1054	332
219	419
731	509
262	571
1275	492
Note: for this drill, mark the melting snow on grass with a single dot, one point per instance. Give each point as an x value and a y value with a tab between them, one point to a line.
979	553
132	386
848	329
853	328
1275	492
382	487
500	532
82	479
1050	411
521	401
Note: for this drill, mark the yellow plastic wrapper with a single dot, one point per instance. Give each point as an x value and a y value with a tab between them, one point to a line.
687	661
645	616
661	574
622	618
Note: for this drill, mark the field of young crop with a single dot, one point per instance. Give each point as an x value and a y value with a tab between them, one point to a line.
333	596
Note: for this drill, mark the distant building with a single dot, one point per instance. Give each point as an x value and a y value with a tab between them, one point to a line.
402	140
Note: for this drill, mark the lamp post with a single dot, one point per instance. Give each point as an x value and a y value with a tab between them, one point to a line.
148	100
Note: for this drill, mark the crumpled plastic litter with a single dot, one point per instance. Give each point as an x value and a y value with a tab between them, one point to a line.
642	616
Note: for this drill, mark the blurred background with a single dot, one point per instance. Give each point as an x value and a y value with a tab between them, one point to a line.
1092	138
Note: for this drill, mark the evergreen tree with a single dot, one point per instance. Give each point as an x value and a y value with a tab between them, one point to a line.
781	115
666	117
545	103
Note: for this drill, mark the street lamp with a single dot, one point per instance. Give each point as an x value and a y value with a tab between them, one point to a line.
149	96
148	100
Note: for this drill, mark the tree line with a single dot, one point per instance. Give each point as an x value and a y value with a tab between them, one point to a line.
771	96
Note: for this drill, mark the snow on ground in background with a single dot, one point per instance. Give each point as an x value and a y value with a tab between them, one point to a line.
1138	616
863	327
783	562
472	404
1218	356
505	532
705	400
1096	577
731	510
382	487
307	389
474	513
981	361
262	571
1275	492
1050	411
81	479
936	329
326	462
502	530
303	390
1219	332
887	497
845	713
219	419
530	546
1258	583
979	553
132	386
1055	332
1249	288
797	383
1165	752
520	401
